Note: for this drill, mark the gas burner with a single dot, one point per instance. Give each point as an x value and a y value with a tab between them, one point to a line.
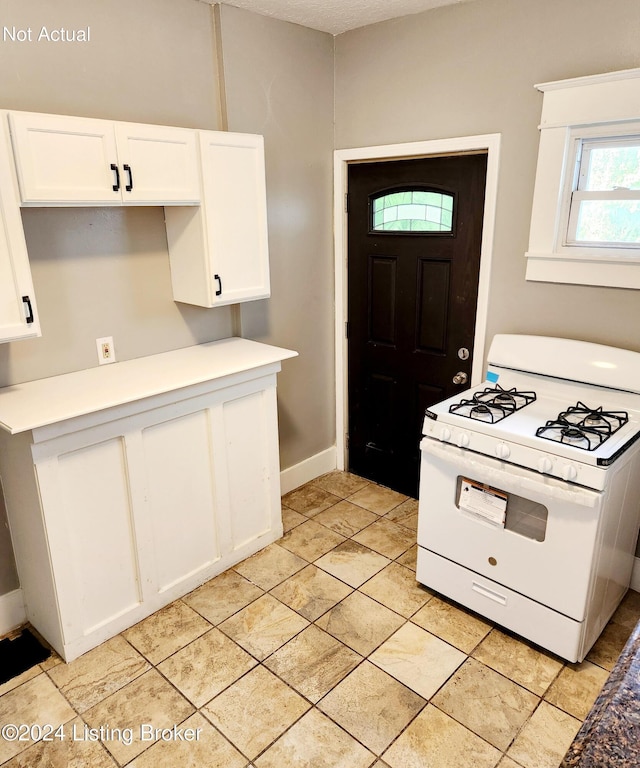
492	404
595	418
583	427
571	433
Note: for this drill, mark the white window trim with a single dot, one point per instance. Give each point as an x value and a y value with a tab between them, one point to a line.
600	105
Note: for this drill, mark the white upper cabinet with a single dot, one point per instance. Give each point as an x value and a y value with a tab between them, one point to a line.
159	163
219	252
18	314
211	183
62	160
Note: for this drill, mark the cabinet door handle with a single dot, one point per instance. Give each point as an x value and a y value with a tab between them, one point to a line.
129	186
115	169
27	301
218	280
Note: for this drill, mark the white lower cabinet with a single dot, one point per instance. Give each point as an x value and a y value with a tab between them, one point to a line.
87	512
112	521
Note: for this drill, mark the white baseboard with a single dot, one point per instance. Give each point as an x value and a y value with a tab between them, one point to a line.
309	469
12	613
635	575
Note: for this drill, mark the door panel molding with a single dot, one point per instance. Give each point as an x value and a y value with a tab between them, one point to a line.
489	143
382	299
431	332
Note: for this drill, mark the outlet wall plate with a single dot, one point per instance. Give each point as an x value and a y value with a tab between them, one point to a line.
106	350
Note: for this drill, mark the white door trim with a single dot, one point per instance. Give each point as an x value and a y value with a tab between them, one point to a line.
342	157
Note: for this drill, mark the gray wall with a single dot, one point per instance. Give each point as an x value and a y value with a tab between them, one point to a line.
466	69
279	82
470	69
105	272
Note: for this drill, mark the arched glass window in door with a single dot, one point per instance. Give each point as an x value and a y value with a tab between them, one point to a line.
412	210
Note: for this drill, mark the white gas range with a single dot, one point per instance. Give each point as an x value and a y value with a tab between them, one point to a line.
530	490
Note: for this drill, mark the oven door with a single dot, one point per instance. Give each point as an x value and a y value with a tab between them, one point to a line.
531	533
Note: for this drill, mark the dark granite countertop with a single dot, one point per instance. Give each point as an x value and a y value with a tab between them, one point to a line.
610	736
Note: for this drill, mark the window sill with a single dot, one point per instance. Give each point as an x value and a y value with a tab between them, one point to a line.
558	268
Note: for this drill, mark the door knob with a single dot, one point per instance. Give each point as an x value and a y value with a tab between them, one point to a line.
460	378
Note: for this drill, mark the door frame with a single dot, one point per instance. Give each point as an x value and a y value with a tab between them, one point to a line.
490	143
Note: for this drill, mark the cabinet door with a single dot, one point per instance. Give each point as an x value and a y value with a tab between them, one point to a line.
245	431
89	518
158	164
65	160
18	314
236	215
181	498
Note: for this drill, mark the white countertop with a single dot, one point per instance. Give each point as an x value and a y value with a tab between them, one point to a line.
42	402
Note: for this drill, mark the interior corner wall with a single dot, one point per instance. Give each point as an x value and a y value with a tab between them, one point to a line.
278	80
470	68
105	271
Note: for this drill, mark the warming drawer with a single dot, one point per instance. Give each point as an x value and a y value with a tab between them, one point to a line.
510	609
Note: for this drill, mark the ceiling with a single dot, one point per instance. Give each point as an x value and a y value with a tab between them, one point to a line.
337	16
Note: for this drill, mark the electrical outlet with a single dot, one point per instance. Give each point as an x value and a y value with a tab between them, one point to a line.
106	350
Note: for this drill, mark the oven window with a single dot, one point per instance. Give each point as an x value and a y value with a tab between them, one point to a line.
522	516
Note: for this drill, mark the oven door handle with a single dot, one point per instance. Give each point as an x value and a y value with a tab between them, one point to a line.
477	466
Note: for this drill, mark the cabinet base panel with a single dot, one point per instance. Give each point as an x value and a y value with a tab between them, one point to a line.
70	651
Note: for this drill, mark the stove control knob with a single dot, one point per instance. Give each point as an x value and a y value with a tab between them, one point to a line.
503	451
544	464
445	434
569	472
463	440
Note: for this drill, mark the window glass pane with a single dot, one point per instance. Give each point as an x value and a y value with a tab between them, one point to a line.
612	167
413	211
609	221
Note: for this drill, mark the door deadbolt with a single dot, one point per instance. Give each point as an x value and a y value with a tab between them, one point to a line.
460	378
463	353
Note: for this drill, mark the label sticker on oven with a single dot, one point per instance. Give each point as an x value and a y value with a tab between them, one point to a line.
481	500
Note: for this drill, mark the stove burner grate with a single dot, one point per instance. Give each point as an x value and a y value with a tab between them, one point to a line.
492	404
583	427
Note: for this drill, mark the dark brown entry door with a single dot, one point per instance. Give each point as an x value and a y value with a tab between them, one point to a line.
415	229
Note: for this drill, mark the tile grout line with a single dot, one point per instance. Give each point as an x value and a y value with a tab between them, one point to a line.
261	662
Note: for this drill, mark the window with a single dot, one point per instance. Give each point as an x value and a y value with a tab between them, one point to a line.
585	219
412	210
605	199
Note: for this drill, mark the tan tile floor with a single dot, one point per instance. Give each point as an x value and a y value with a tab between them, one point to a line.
321	651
